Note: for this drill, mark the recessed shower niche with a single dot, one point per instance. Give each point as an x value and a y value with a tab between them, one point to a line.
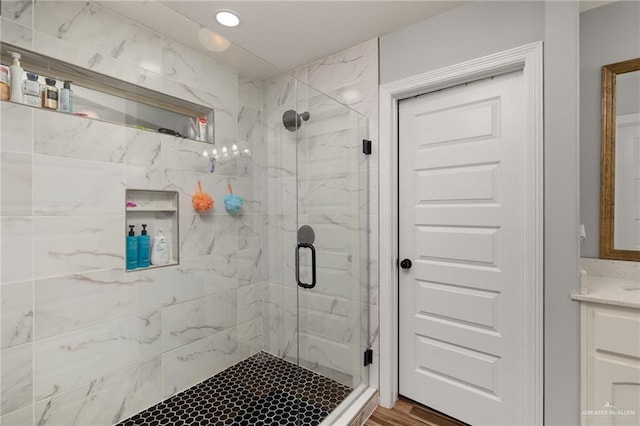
101	97
158	211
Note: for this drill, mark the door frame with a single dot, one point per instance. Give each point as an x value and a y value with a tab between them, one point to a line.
527	58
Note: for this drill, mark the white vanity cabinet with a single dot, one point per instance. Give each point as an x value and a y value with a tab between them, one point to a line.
610	336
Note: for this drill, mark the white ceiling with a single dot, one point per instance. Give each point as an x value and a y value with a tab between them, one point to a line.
287	34
293	33
276	36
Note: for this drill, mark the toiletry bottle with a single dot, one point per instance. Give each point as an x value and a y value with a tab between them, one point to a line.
132	249
5	90
31	90
192	130
50	94
16	77
144	248
66	98
201	134
160	249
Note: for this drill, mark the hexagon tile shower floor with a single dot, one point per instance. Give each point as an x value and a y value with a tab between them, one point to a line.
262	390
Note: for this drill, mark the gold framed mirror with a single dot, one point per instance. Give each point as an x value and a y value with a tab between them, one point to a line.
620	162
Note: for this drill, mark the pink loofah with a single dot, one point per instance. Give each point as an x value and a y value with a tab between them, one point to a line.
201	200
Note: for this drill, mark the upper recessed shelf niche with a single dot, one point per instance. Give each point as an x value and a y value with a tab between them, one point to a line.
117	101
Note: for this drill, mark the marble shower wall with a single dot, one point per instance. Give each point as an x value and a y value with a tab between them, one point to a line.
331	168
82	341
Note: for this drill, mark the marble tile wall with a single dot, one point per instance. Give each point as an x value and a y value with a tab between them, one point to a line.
327	198
65	297
83	342
351	77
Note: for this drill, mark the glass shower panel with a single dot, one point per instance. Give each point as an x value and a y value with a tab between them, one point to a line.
332	245
279	178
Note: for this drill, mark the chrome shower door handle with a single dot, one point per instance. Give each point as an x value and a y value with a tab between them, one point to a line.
313	265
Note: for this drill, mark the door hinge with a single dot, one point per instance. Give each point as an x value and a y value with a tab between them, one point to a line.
366	146
368	357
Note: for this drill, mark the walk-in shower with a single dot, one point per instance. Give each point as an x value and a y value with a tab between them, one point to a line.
315	291
263	316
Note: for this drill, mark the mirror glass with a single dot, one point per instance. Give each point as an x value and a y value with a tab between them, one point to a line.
627	162
609	86
620	162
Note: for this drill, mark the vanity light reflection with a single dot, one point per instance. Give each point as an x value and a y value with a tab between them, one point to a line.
225	154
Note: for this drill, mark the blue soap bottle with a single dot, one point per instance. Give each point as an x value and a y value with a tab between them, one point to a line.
132	249
144	248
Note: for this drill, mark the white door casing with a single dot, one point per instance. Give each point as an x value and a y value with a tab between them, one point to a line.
527	58
461	224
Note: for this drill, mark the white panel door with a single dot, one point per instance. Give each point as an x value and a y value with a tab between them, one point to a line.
461	224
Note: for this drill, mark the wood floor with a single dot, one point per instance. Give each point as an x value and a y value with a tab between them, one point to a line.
409	413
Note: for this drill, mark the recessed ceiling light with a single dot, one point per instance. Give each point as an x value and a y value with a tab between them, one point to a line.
227	18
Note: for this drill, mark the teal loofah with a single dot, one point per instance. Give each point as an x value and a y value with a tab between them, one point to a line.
232	203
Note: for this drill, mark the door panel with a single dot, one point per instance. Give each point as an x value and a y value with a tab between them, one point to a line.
466	305
461	223
459	244
443	125
452	363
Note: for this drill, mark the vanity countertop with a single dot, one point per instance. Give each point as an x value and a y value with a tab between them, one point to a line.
611	291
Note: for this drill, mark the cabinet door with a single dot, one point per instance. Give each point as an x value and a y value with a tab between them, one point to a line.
613	366
616	389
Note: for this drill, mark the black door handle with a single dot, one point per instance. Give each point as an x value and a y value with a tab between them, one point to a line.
405	264
313	265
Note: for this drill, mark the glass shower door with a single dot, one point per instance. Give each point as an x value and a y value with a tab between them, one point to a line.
331	253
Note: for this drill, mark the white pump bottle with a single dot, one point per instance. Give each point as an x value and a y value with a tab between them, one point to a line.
16	77
160	249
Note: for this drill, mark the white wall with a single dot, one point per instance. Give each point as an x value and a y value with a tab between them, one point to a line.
482	28
561	329
464	33
608	34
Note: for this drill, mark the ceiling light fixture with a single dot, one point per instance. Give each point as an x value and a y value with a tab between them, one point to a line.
228	18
